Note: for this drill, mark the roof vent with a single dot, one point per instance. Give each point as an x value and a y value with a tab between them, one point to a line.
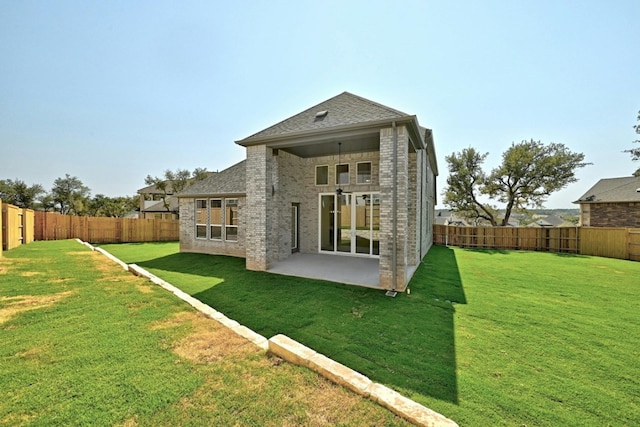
637	190
320	115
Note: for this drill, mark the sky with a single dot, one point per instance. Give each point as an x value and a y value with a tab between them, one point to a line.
113	91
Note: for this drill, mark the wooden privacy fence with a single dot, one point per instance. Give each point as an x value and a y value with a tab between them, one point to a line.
17	226
621	243
54	226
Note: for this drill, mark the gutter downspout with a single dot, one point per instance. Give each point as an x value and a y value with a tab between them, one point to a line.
394	256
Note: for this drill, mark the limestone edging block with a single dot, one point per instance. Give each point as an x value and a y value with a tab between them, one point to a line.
408	409
294	352
340	374
290	350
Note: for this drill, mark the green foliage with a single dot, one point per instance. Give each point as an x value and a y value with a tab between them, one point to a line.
485	337
116	207
20	194
175	182
530	171
70	195
635	152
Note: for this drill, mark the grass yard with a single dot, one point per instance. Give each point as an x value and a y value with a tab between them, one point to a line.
85	343
485	337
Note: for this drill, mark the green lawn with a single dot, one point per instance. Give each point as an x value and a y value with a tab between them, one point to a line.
85	343
485	337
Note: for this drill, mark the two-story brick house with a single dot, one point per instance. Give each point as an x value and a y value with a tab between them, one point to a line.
347	177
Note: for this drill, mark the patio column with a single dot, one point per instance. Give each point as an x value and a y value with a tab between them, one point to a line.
394	156
259	204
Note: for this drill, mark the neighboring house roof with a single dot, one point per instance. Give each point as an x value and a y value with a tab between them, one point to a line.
152	189
611	190
158	205
231	181
548	221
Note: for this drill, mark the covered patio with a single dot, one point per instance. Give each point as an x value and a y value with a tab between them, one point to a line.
351	270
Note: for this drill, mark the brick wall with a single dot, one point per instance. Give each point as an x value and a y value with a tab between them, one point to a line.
611	214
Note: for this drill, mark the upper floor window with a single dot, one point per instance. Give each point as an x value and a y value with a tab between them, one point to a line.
322	175
363	172
342	174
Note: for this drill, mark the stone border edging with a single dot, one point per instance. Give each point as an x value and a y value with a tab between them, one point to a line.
296	353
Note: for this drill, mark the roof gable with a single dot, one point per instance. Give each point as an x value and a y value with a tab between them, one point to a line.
341	110
626	189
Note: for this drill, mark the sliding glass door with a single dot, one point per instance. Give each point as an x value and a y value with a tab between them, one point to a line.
350	223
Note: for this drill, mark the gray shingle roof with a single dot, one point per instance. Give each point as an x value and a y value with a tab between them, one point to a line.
341	110
606	190
229	181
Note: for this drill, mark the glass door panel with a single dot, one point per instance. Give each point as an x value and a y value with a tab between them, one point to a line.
327	208
343	221
375	223
363	223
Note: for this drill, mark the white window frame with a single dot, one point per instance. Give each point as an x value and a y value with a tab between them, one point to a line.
227	226
358	172
316	175
221	224
206	223
338	174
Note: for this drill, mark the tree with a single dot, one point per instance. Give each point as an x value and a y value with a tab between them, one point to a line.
635	152
175	182
464	185
530	171
20	194
70	195
116	207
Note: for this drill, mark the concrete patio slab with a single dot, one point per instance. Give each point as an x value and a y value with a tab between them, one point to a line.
351	270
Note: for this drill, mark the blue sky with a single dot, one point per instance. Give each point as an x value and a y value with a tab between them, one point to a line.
113	91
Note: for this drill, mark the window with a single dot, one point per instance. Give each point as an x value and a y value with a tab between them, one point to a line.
231	219
363	173
322	175
342	174
215	223
201	219
215	219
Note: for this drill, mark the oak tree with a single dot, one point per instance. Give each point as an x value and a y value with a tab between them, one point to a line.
530	171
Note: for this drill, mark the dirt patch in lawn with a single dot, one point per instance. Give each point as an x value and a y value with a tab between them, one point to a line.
12	306
208	340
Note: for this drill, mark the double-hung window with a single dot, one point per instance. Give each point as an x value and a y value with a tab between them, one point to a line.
363	172
215	218
201	219
231	219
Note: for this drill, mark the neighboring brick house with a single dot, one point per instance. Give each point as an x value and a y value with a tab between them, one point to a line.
612	202
347	177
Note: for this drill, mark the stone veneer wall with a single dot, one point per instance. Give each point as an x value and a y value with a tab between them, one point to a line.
260	189
386	207
189	243
625	214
